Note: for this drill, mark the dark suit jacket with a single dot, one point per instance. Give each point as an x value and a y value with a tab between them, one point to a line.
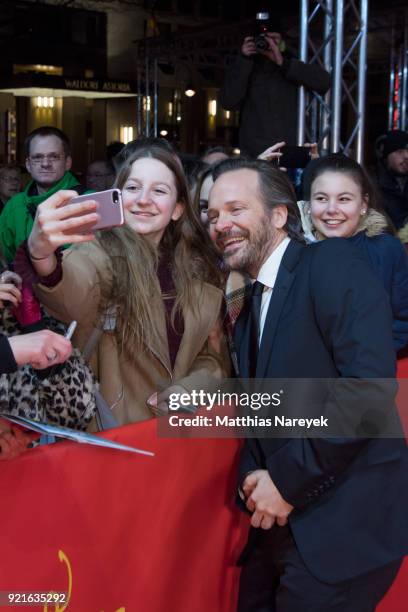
330	318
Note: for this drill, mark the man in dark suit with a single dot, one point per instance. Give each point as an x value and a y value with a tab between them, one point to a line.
329	514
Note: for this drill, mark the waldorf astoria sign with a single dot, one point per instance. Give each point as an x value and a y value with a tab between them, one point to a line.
37	80
98	85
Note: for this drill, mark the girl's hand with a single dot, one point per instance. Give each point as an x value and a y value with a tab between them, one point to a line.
9	293
10	288
57	222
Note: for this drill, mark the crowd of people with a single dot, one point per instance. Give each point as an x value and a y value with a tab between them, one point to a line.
219	271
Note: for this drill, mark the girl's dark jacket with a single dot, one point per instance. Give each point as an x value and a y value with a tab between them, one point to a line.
389	261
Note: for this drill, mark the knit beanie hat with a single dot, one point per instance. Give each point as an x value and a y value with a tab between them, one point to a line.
393	141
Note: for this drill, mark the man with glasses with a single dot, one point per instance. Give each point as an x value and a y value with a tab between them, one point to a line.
10	183
48	160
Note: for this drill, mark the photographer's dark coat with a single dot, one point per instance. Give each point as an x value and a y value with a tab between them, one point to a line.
266	95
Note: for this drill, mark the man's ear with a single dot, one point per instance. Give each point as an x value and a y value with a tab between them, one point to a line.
279	216
178	211
68	163
27	164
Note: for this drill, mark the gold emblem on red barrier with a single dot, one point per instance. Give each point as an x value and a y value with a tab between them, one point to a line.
64	559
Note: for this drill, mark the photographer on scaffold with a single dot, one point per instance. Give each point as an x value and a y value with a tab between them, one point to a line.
263	84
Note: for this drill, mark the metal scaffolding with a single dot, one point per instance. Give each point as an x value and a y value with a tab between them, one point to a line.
147	92
398	92
333	33
335	121
313	110
202	49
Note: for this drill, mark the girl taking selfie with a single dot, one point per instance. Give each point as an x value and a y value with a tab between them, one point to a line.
151	287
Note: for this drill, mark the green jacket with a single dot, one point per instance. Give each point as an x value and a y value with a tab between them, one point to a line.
16	220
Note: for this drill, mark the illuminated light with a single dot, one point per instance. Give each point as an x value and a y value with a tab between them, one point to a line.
163	133
212	108
190	92
178	118
126	133
44	102
236	151
227	114
170	109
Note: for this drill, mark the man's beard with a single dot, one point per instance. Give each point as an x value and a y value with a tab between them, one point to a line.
252	255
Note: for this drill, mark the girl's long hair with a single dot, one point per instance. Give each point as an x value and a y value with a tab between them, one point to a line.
185	248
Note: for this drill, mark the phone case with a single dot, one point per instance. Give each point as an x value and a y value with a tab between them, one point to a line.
110	208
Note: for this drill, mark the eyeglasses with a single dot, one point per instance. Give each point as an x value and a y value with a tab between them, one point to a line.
52	158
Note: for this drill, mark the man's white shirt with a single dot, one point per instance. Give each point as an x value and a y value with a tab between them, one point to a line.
267	276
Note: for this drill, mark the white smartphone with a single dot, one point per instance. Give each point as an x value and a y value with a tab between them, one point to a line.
110	208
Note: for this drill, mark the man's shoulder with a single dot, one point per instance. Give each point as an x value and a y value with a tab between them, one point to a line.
330	247
338	267
323	252
333	260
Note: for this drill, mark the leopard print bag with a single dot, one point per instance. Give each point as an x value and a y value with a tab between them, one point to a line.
63	395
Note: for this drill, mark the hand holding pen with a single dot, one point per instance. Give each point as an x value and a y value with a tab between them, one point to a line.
42	349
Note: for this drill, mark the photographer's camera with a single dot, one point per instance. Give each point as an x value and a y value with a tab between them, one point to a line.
262	27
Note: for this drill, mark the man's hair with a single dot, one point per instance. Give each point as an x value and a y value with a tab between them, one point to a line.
47	130
217	149
113	148
107	164
141	143
193	168
5	167
274	188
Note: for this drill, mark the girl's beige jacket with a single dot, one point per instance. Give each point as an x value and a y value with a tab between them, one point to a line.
126	385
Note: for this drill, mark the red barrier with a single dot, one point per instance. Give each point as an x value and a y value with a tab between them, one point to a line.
402	397
124	532
127	533
396	599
